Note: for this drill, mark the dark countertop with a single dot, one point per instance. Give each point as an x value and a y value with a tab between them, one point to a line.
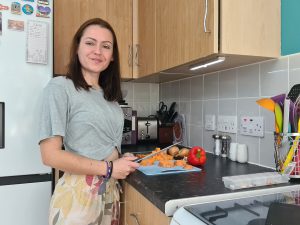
162	188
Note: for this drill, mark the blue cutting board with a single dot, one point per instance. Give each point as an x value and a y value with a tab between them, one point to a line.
157	170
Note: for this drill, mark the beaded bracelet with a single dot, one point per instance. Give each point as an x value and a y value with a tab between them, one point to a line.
107	170
109	166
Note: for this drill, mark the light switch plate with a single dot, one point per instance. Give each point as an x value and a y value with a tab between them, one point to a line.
227	124
210	122
252	126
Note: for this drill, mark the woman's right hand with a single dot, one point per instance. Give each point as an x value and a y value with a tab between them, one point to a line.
122	167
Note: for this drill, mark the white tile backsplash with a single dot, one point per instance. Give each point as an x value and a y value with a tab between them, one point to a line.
227	84
211	86
274	77
248	81
234	92
197	88
229	92
143	97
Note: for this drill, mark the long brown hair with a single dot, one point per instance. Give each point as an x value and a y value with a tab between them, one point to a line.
109	79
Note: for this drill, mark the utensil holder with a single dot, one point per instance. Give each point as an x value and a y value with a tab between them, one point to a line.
287	150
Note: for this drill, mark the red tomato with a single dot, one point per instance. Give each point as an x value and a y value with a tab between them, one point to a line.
197	156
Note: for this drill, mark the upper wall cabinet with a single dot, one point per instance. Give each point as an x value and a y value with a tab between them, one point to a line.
69	15
184	33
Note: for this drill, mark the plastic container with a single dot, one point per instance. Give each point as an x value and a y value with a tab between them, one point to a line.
254	180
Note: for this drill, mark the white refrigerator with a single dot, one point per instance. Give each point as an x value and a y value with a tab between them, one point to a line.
26	66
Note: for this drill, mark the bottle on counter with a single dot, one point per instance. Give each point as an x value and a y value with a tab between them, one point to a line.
225	139
217	144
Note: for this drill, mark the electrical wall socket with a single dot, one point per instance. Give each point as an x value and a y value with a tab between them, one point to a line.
227	124
252	126
210	122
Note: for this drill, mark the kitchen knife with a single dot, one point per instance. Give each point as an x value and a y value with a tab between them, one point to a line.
155	153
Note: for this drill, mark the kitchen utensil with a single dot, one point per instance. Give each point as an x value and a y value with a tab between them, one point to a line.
171	109
286	115
155	153
172	118
266	103
279	99
162	107
292	151
278	117
294	92
162	113
242	153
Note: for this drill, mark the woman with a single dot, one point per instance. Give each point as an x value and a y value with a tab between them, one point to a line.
81	113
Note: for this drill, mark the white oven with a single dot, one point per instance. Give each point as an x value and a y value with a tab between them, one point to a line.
276	206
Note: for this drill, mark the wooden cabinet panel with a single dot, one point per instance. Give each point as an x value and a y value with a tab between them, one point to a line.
180	35
119	15
138	210
144	38
250	27
69	15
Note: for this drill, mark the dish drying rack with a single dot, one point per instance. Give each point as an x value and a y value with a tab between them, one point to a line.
287	153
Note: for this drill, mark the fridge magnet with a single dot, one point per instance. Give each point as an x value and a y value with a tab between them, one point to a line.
27	9
43	2
17	25
15	8
3	7
43	11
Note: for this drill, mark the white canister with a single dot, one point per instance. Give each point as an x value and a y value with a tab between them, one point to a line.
242	153
233	151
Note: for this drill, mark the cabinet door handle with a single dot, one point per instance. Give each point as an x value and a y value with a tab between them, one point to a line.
135	217
136	55
129	55
205	17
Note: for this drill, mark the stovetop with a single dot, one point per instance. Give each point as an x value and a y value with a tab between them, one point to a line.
257	210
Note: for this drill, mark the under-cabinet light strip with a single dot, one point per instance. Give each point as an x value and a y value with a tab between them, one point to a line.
215	61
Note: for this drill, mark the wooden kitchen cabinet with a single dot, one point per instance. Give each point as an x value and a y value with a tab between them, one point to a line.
139	210
144	38
243	31
70	14
180	36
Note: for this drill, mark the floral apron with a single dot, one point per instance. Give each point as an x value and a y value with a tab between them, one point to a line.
85	200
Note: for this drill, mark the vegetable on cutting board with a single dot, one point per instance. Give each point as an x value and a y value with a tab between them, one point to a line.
197	156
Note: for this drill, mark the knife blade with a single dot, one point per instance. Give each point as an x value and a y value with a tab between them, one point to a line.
155	153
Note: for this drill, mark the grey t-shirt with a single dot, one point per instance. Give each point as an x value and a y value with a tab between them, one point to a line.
90	125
